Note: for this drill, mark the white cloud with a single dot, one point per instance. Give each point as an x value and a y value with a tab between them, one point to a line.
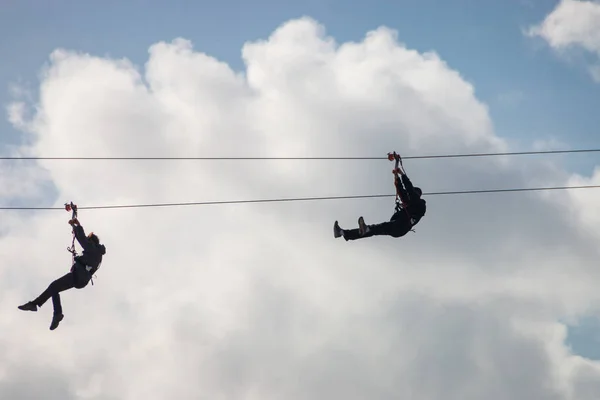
259	301
16	113
572	24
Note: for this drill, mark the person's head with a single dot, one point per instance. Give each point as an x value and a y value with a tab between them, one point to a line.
418	191
94	238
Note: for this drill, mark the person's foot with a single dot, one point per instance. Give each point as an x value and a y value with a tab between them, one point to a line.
29	306
337	231
56	320
362	227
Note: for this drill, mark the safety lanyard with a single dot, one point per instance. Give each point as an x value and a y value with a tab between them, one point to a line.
73	208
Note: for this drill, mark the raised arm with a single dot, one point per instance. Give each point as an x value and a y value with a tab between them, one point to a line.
80	234
410	189
404	195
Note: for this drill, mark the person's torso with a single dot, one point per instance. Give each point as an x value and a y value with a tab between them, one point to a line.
91	258
416	210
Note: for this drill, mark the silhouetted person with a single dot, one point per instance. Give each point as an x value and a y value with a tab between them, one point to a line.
78	277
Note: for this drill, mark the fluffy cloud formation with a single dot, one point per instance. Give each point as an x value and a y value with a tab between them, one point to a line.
573	23
260	301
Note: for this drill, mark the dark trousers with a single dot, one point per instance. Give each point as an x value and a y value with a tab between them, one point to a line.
398	226
66	282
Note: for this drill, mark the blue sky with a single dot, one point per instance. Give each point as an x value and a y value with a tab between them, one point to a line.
532	93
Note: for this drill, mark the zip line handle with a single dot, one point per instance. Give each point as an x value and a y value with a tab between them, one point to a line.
71	207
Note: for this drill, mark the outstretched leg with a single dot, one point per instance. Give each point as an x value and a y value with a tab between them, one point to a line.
363	231
61	284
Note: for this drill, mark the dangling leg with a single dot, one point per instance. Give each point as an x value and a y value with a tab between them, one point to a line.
387	228
61	284
365	231
348	234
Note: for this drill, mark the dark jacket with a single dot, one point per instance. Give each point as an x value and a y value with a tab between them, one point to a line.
92	253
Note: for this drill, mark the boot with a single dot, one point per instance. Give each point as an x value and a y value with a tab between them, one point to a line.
56	320
29	306
337	231
362	227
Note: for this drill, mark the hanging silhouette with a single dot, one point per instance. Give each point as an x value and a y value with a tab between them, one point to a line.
83	268
409	210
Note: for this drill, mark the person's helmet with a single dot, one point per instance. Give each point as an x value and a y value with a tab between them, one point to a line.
418	191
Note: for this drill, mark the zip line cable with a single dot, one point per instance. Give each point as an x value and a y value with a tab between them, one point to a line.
305	198
311	158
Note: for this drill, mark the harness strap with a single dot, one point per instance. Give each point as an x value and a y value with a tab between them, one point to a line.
400	204
73	208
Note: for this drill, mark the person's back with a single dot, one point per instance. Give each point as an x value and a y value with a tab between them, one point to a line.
92	249
416	209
